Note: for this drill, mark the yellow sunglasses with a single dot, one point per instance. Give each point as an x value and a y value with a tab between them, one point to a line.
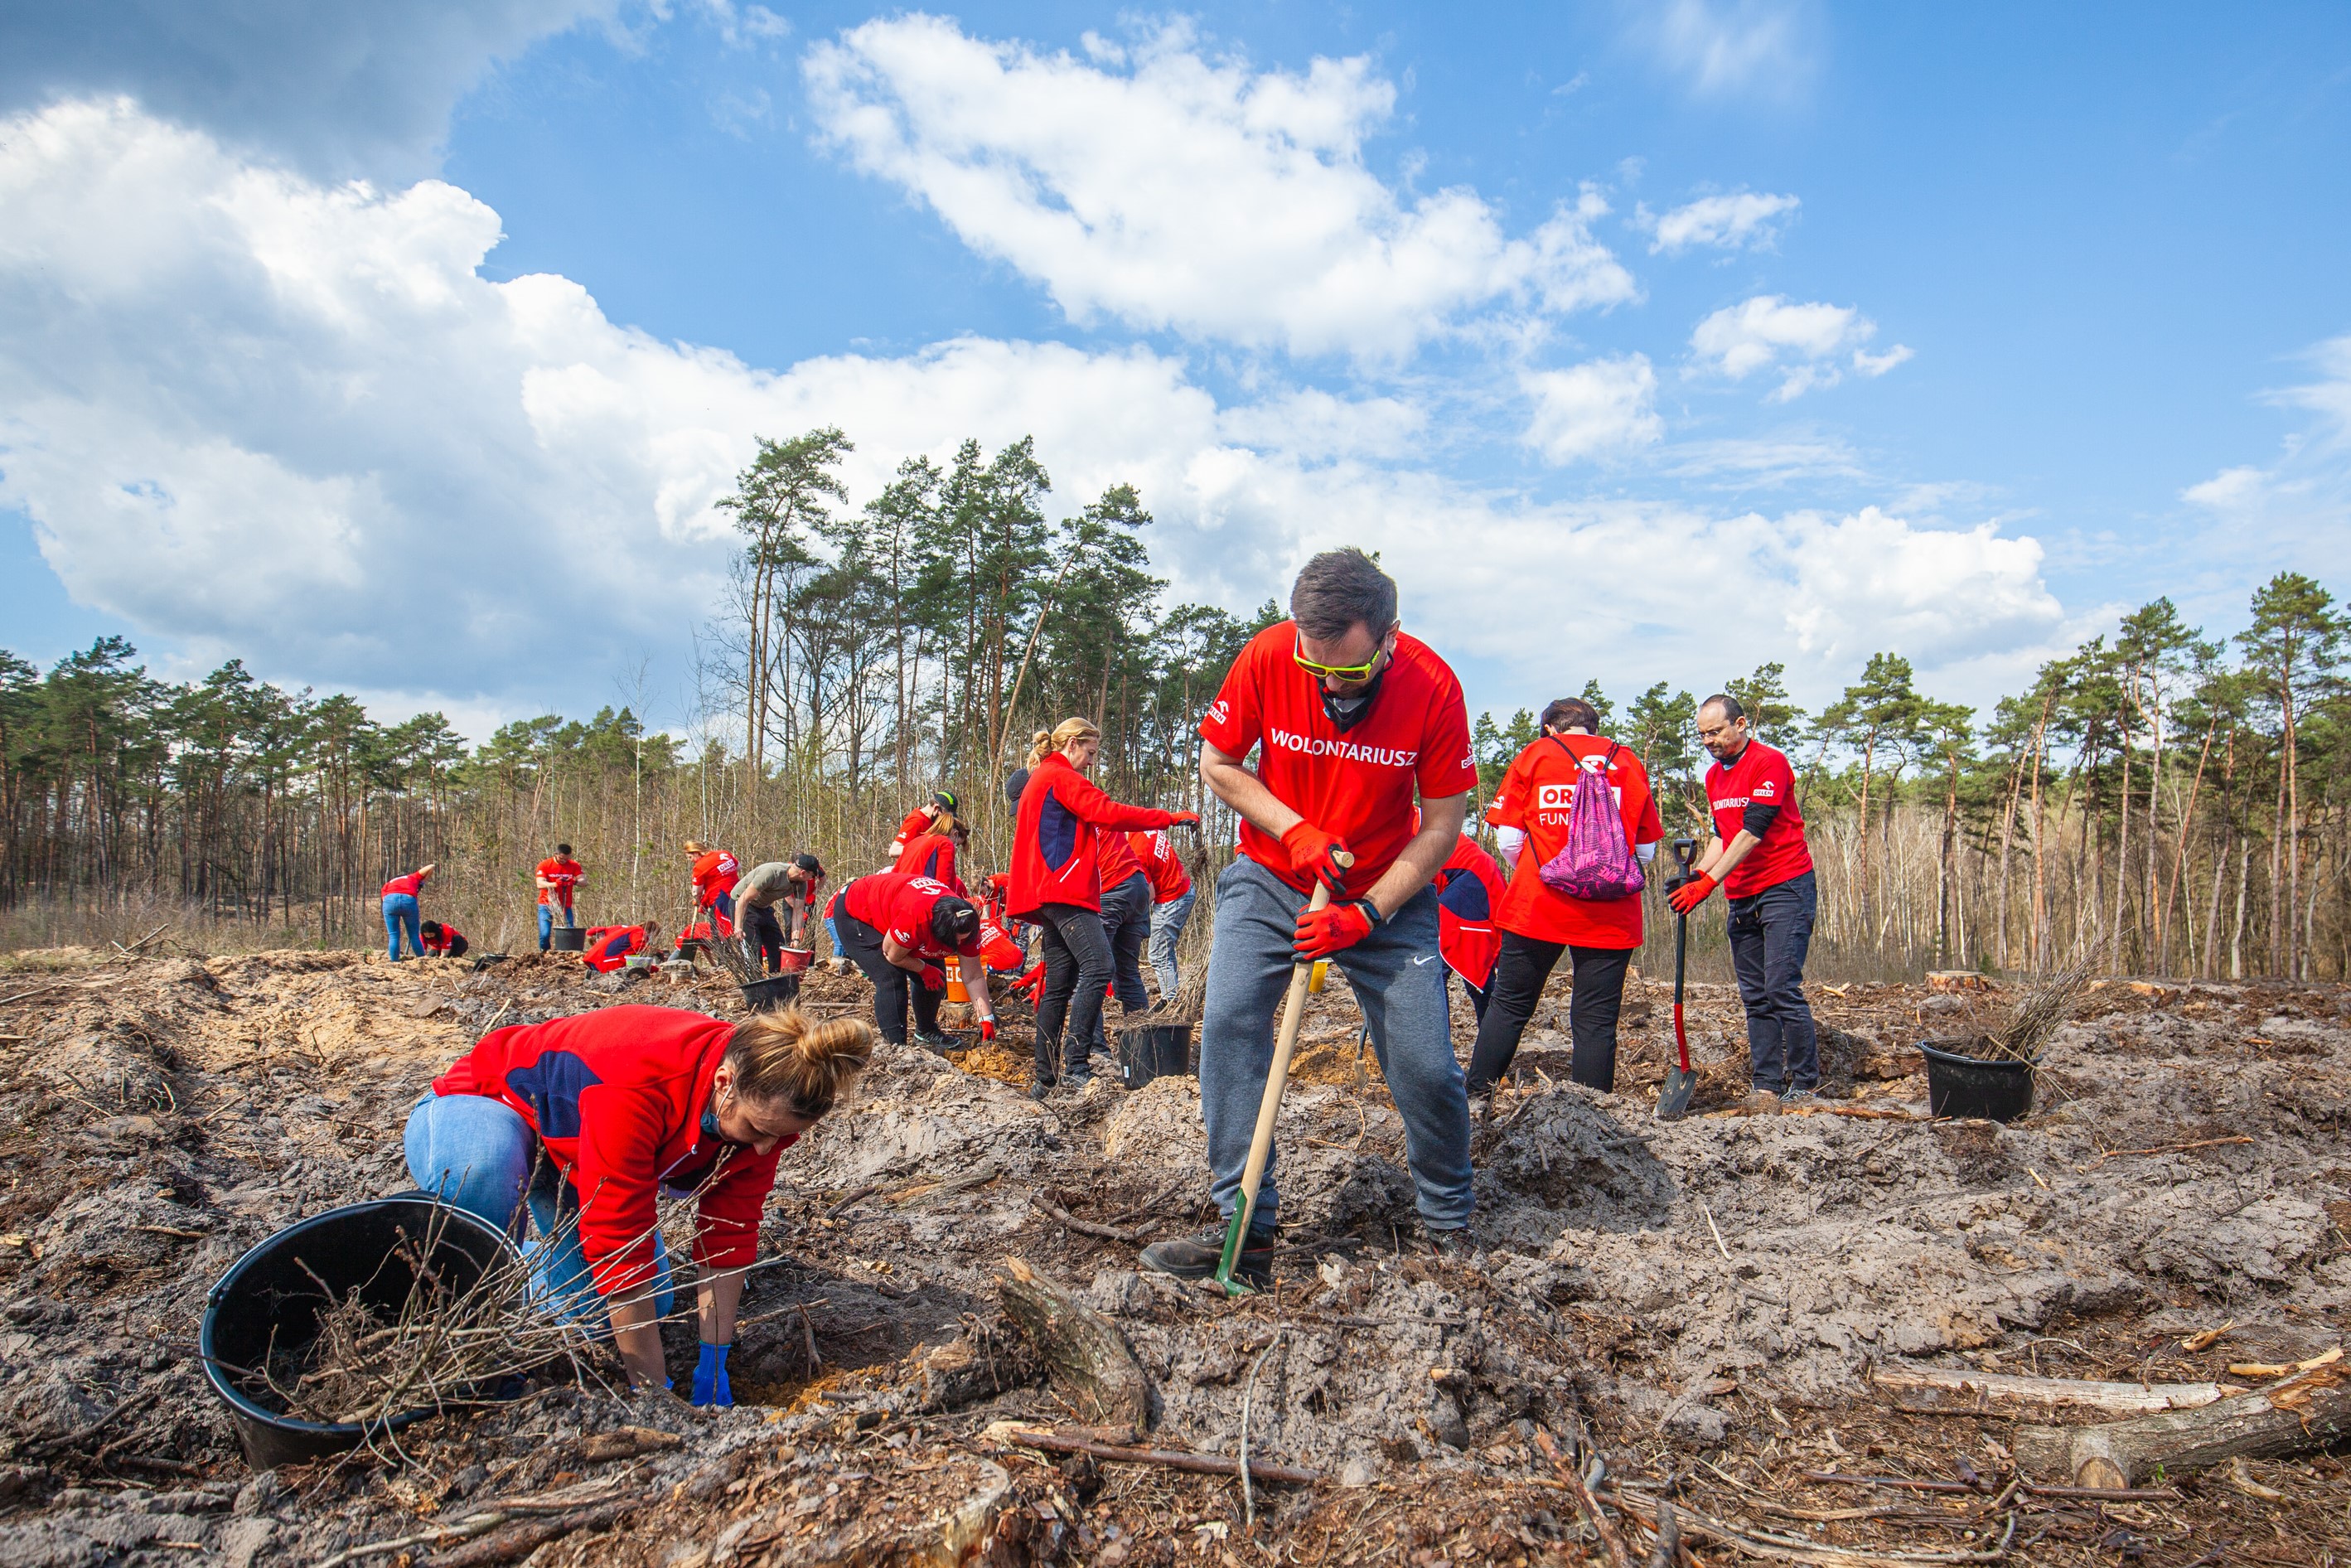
1336	672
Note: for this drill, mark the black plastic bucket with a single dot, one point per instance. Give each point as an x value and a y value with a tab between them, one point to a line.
1154	1051
775	991
268	1290
569	938
1969	1086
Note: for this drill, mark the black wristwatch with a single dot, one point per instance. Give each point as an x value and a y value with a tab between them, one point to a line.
1371	910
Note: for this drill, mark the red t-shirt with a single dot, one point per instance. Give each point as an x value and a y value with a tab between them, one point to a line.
1114	860
1759	777
1538	796
713	873
565	874
932	855
450	936
1358	785
1169	880
411	885
899	906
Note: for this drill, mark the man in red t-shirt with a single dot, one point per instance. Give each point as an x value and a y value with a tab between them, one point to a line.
1539	924
1354	718
893	925
1759	859
1171	903
559	877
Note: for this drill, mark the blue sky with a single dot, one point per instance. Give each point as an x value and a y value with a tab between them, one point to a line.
1705	333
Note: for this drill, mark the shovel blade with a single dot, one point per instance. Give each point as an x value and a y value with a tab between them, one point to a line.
1674	1099
1234	1232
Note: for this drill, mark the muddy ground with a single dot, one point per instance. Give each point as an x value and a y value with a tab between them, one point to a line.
1705	1299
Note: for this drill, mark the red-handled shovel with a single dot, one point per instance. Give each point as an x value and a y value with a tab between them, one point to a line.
1681	1082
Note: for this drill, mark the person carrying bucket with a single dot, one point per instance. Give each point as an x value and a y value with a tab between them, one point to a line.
558	878
1548	910
588	1120
400	895
714	875
1759	857
893	925
1057	884
794	883
1351	717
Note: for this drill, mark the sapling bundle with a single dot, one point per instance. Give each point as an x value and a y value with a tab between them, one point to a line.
2037	1011
1200	933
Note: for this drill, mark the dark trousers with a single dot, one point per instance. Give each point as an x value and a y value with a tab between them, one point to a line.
1515	987
764	936
1078	965
892	986
1126	923
1478	995
1771	931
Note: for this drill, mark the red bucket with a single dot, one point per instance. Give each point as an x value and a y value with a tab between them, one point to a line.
795	960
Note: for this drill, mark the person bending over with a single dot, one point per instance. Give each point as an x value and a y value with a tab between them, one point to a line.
1759	857
608	947
1538	923
793	884
1350	717
588	1119
1057	884
1126	926
895	925
1469	887
714	875
400	895
443	940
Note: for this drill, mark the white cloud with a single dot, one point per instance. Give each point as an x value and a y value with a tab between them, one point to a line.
294	421
2276	514
1727	47
1726	223
336	88
1593	409
1169	191
1802	342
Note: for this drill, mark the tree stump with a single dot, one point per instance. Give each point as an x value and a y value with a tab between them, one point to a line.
2311	1409
1957	980
1083	1352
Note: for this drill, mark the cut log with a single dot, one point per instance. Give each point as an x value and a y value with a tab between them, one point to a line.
1957	980
1936	1386
2312	1409
1083	1349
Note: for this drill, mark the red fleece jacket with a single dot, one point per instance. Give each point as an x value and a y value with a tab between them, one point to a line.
618	1098
1056	843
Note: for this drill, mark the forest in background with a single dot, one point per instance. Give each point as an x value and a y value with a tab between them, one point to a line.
2170	802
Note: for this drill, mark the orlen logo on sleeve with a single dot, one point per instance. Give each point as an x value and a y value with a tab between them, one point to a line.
1764	787
1216	711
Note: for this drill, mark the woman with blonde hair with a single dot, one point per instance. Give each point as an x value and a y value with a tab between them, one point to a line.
589	1118
1056	883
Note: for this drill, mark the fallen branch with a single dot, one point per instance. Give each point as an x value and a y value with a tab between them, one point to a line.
2311	1409
2049	1393
1082	1349
2105	1155
1060	1215
1778	1548
851	1201
1198	1464
525	1537
1610	1541
2099	1494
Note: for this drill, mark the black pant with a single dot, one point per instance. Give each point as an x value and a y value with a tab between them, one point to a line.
457	947
764	936
892	985
1771	932
1127	923
1078	965
1518	982
1478	995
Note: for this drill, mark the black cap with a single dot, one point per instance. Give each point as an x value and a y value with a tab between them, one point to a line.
1016	784
944	799
954	921
809	864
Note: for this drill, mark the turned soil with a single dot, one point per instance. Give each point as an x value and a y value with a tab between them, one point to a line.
1702	1301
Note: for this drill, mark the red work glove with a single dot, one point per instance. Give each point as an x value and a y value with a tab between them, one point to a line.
934	978
986	1029
1312	853
1324	931
1692	893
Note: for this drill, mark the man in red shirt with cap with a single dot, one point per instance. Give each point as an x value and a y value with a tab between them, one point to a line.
1354	718
1759	859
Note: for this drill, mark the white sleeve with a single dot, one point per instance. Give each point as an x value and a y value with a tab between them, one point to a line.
1647	851
1510	840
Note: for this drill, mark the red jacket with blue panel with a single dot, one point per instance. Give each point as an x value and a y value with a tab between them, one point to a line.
1468	889
932	855
621	1099
1055	843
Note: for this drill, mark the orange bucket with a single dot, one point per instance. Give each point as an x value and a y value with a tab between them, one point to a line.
955	989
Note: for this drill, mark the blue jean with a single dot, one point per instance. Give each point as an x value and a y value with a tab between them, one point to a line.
1126	923
399	916
480	1157
1399	982
547	923
1167	927
1771	931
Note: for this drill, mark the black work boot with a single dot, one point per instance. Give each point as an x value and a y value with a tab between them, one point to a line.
1047	1053
934	1042
1196	1256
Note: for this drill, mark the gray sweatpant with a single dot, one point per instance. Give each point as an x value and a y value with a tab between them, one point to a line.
1399	982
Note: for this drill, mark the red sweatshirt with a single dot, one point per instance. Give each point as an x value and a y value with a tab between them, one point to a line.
618	1098
932	855
609	947
1054	843
1169	880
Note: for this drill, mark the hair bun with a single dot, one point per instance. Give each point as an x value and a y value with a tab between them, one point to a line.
840	1043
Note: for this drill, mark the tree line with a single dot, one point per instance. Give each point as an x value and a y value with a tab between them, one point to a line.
2168	801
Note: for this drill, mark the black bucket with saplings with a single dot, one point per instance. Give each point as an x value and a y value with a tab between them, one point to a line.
568	939
340	1329
1990	1075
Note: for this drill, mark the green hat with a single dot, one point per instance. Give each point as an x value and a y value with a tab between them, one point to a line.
944	799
